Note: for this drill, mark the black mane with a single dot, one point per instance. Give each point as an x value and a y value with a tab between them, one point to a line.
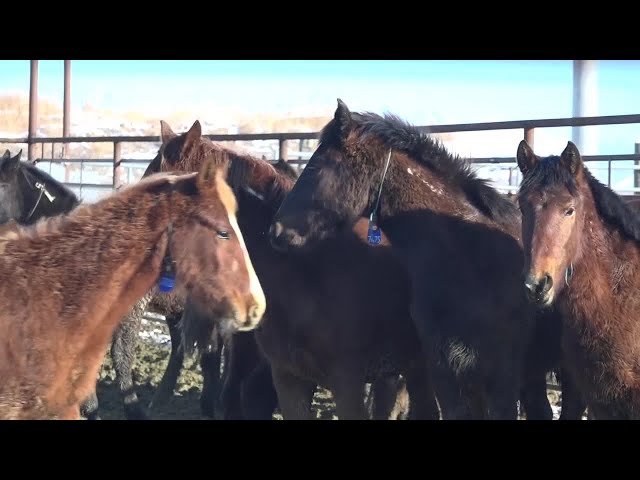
402	136
610	206
240	167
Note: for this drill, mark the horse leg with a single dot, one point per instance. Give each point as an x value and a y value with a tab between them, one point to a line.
422	398
533	396
573	405
294	394
210	365
89	408
230	396
258	395
348	393
449	392
502	394
123	355
167	385
382	397
245	360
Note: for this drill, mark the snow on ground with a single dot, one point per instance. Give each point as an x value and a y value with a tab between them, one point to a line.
153	332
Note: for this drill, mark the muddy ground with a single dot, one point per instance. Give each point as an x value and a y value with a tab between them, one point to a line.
152	356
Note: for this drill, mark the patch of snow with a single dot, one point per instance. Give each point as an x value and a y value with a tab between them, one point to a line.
153	334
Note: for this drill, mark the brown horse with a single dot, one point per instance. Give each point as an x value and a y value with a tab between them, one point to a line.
582	254
458	237
338	317
88	269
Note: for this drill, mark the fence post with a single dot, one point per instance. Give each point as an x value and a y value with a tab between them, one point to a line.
283	148
66	106
33	109
117	169
636	173
528	135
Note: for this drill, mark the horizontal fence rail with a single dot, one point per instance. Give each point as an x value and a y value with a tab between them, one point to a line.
528	127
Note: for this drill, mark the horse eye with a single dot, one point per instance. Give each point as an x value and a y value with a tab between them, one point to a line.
569	212
223	234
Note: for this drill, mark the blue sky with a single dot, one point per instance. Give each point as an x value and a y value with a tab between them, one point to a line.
422	91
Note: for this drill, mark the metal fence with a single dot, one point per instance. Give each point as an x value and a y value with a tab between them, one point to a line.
121	168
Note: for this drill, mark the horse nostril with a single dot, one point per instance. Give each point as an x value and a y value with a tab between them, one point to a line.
530	283
538	286
276	230
254	313
277	237
544	285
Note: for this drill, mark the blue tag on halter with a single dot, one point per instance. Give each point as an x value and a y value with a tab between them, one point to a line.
373	235
166	283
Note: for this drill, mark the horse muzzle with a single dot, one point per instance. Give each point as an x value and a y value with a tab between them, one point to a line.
539	288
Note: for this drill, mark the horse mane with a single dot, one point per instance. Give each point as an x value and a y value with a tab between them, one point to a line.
241	170
610	206
399	135
613	209
240	166
46	225
286	169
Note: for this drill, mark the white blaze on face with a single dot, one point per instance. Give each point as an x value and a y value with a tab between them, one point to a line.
229	202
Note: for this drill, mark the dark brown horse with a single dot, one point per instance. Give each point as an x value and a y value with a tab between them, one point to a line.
338	317
91	266
582	254
458	237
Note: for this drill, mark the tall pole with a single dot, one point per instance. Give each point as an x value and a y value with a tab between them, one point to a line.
585	104
33	109
66	115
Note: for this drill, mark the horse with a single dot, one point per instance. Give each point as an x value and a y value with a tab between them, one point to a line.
337	318
458	238
89	267
582	256
28	194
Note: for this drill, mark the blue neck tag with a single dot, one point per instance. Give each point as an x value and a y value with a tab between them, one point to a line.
374	236
166	283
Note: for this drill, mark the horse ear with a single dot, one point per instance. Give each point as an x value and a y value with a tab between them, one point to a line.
166	133
342	117
192	137
527	160
8	163
571	158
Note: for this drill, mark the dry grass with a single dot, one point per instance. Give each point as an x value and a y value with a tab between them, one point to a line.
14	115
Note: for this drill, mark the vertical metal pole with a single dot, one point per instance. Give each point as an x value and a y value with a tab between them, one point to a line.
585	104
529	135
117	169
284	149
66	110
636	173
33	109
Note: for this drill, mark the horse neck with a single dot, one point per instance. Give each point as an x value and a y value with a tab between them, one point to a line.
93	266
411	187
36	204
604	261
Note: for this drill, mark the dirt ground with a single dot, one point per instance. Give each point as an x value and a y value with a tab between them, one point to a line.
151	360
